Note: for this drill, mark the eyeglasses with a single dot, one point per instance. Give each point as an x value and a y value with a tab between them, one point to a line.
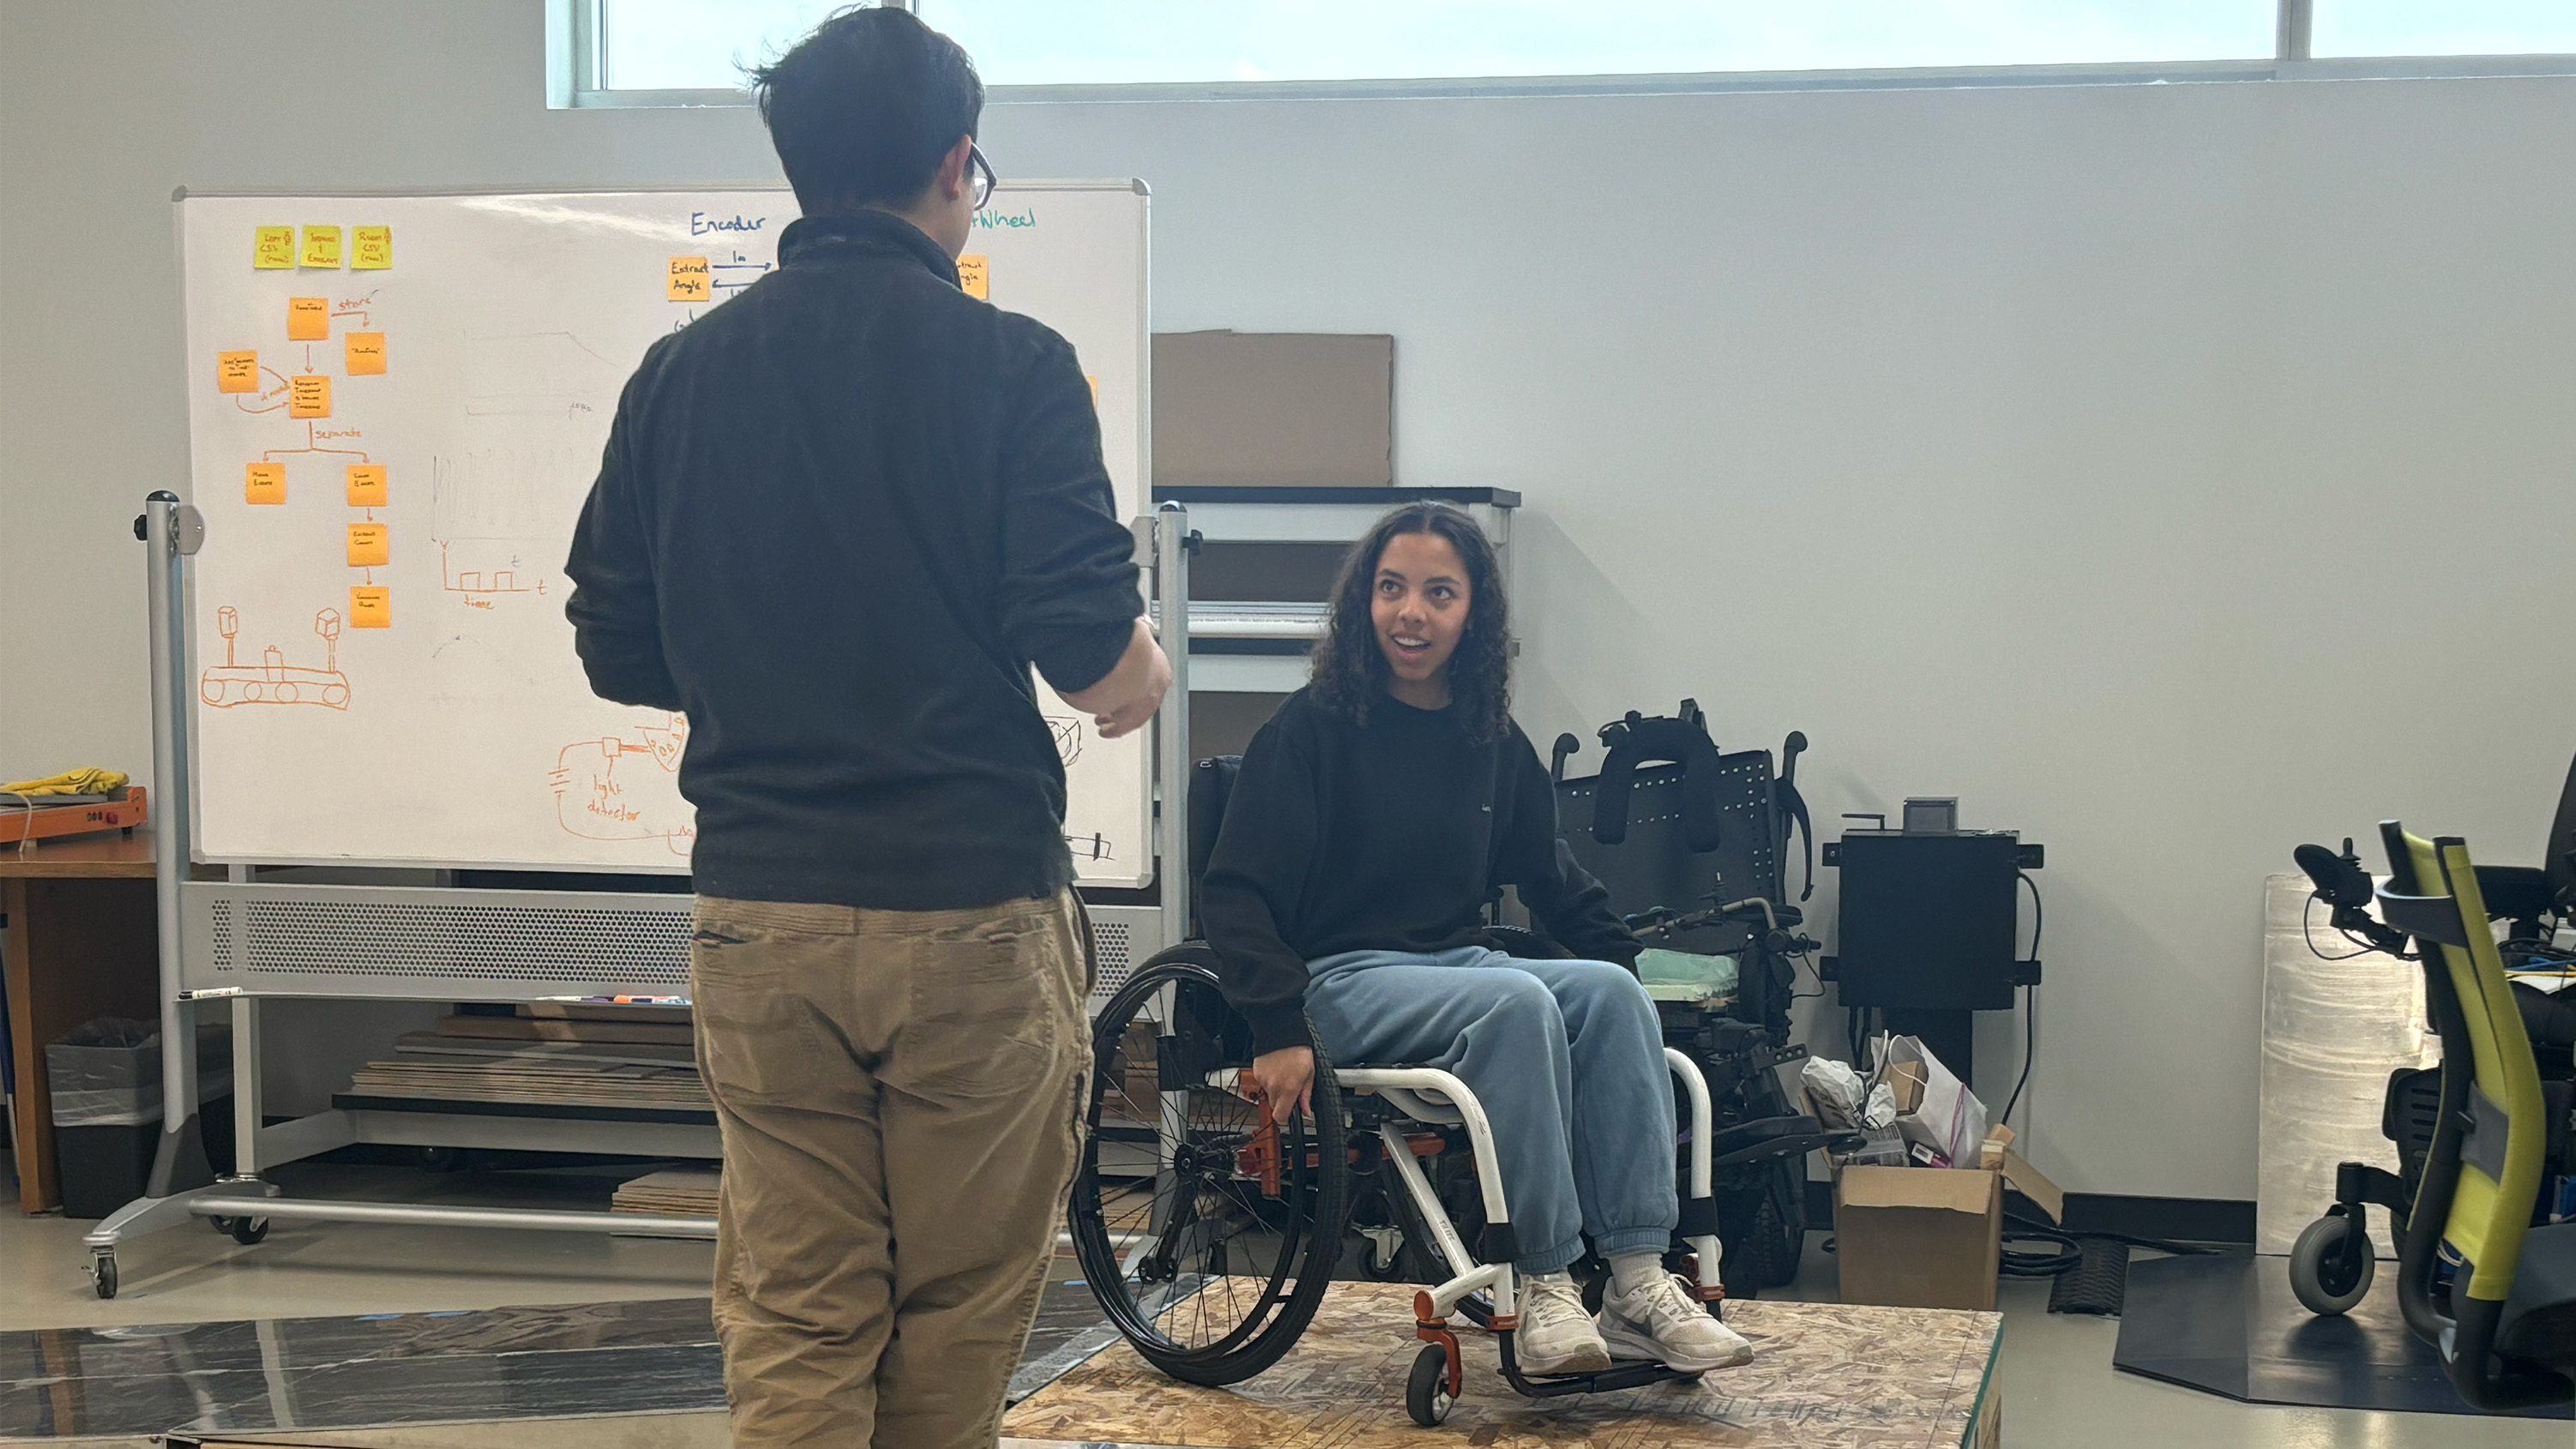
985	181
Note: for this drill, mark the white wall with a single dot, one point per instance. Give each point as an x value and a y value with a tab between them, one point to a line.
2140	464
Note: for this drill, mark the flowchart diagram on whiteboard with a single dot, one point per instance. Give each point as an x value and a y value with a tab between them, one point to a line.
397	406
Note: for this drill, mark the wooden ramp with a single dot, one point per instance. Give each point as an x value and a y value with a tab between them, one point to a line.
1824	1376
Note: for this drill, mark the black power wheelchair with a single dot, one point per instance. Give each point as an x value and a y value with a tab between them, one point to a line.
1208	1234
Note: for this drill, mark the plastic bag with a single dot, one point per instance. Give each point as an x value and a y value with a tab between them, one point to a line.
107	1072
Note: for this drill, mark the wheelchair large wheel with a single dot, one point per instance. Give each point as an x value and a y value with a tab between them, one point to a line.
1207	1237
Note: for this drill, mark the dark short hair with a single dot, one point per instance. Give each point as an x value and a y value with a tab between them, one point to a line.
862	110
1349	670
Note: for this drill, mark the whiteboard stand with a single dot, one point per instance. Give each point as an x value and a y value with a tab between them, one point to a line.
241	941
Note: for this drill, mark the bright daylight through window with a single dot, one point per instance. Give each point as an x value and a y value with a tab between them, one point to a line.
703	44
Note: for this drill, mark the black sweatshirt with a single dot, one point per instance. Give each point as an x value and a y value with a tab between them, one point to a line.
1389	836
838	518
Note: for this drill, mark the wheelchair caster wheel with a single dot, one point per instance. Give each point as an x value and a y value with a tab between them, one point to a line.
1426	1390
102	1272
247	1231
2328	1272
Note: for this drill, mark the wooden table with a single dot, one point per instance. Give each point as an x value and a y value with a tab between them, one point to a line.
77	939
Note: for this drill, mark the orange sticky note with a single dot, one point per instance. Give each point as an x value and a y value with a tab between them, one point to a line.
371	607
366	485
321	247
308	319
236	372
367	548
974	275
690	279
371	248
264	483
308	395
273	249
366	354
1094	379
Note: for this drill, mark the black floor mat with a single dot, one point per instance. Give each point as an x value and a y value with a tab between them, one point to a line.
2228	1323
2097	1284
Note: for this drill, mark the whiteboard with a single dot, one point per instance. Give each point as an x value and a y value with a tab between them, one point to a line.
397	405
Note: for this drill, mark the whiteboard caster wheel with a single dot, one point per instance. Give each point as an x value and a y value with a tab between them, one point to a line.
102	1273
247	1231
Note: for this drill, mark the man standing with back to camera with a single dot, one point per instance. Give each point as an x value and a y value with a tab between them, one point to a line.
837	520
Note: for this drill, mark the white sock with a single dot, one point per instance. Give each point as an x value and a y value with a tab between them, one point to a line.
1559	1276
1633	1273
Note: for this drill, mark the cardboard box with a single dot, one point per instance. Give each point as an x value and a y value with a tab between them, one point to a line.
1273	409
1930	1237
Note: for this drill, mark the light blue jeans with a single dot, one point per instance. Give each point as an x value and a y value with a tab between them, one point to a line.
1567	1059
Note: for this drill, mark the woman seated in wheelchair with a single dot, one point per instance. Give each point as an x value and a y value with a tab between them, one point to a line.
1376	814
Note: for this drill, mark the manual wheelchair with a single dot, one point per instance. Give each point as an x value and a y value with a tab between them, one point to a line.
1208	1234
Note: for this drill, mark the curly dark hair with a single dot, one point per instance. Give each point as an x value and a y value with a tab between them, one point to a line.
1350	672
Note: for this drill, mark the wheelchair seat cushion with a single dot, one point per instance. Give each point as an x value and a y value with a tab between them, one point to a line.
2539	1317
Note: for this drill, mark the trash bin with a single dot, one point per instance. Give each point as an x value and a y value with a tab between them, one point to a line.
105	1076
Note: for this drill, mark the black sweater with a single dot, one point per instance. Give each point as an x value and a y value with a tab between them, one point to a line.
838	518
1389	836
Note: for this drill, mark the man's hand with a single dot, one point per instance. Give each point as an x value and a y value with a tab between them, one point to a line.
1287	1081
1122	700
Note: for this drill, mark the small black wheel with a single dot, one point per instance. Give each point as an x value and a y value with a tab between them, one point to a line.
102	1272
222	1226
1426	1389
2329	1270
247	1231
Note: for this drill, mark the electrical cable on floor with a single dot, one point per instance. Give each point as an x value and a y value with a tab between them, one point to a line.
2030	1000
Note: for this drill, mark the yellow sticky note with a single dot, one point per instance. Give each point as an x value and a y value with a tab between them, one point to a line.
366	354
273	249
371	607
366	485
371	248
321	247
264	483
974	275
690	279
308	319
236	372
367	546
308	395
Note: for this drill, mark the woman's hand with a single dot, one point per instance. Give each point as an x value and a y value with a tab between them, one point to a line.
1286	1078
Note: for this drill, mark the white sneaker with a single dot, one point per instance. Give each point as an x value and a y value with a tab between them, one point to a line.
1556	1336
1665	1322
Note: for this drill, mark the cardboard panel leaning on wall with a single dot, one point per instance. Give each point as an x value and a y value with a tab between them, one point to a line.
1273	409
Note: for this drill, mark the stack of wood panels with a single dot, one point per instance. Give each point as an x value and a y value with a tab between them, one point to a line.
547	1054
682	1191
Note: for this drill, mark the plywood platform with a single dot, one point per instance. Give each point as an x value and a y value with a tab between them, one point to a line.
1824	1375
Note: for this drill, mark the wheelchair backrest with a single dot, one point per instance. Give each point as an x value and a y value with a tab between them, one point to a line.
1211	784
1655	865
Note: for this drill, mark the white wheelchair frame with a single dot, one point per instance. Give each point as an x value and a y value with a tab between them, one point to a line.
1434	1097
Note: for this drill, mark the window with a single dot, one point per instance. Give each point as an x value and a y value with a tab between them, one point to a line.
1075	42
2449	27
705	44
646	51
687	45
